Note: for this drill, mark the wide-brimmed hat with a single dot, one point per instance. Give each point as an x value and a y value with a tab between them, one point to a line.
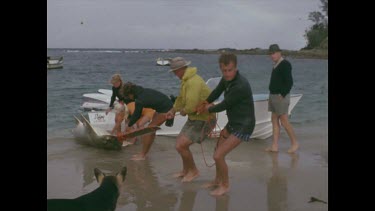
178	62
274	48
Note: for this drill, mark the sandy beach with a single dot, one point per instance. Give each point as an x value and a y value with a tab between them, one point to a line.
258	180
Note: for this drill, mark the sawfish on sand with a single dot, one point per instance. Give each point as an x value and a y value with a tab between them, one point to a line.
101	138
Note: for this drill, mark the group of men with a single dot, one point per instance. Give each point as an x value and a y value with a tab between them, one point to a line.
195	100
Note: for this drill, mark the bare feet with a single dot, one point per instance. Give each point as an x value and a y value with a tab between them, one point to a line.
220	190
190	176
293	148
179	174
210	184
272	148
138	157
133	140
126	143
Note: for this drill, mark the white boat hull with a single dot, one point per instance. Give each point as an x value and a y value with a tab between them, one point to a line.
262	130
89	106
54	66
162	62
55	63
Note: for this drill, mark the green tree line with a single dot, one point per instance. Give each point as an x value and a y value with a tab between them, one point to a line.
317	34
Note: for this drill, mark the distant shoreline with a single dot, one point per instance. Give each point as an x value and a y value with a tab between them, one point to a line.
302	54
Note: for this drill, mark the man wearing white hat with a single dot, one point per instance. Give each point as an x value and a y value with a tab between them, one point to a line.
198	126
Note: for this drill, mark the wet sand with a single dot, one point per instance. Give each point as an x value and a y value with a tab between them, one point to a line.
258	180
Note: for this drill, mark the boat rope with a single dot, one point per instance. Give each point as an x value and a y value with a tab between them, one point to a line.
209	134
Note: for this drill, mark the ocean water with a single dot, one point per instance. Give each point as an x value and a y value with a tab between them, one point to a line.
85	71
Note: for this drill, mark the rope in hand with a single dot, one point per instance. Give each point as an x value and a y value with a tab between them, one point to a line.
209	134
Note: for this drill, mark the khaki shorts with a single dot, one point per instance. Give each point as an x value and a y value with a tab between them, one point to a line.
198	130
277	104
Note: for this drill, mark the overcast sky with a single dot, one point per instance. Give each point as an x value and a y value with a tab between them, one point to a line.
178	24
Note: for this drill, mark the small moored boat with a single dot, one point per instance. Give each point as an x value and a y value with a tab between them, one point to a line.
162	62
54	63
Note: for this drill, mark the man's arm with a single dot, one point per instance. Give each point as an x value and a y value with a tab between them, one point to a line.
288	79
113	97
234	95
216	92
137	113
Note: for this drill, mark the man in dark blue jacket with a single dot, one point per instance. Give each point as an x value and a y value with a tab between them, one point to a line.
239	105
279	99
146	98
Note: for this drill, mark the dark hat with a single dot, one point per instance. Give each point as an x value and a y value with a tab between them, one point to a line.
274	48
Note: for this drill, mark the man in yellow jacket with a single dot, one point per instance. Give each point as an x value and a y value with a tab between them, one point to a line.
198	126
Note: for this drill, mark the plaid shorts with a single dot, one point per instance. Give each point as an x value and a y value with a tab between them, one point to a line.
198	130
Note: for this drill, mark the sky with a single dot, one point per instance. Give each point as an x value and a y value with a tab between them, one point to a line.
178	24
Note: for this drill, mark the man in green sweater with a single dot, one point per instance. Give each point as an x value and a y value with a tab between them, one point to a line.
279	99
192	91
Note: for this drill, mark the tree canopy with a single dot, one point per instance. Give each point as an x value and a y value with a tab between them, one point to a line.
317	34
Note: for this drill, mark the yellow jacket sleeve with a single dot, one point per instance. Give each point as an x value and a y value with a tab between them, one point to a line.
192	93
178	104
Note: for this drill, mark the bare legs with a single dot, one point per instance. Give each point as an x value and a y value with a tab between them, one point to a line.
189	171
225	145
157	120
289	129
276	119
118	120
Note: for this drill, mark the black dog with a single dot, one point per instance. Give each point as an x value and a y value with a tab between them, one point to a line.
104	198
